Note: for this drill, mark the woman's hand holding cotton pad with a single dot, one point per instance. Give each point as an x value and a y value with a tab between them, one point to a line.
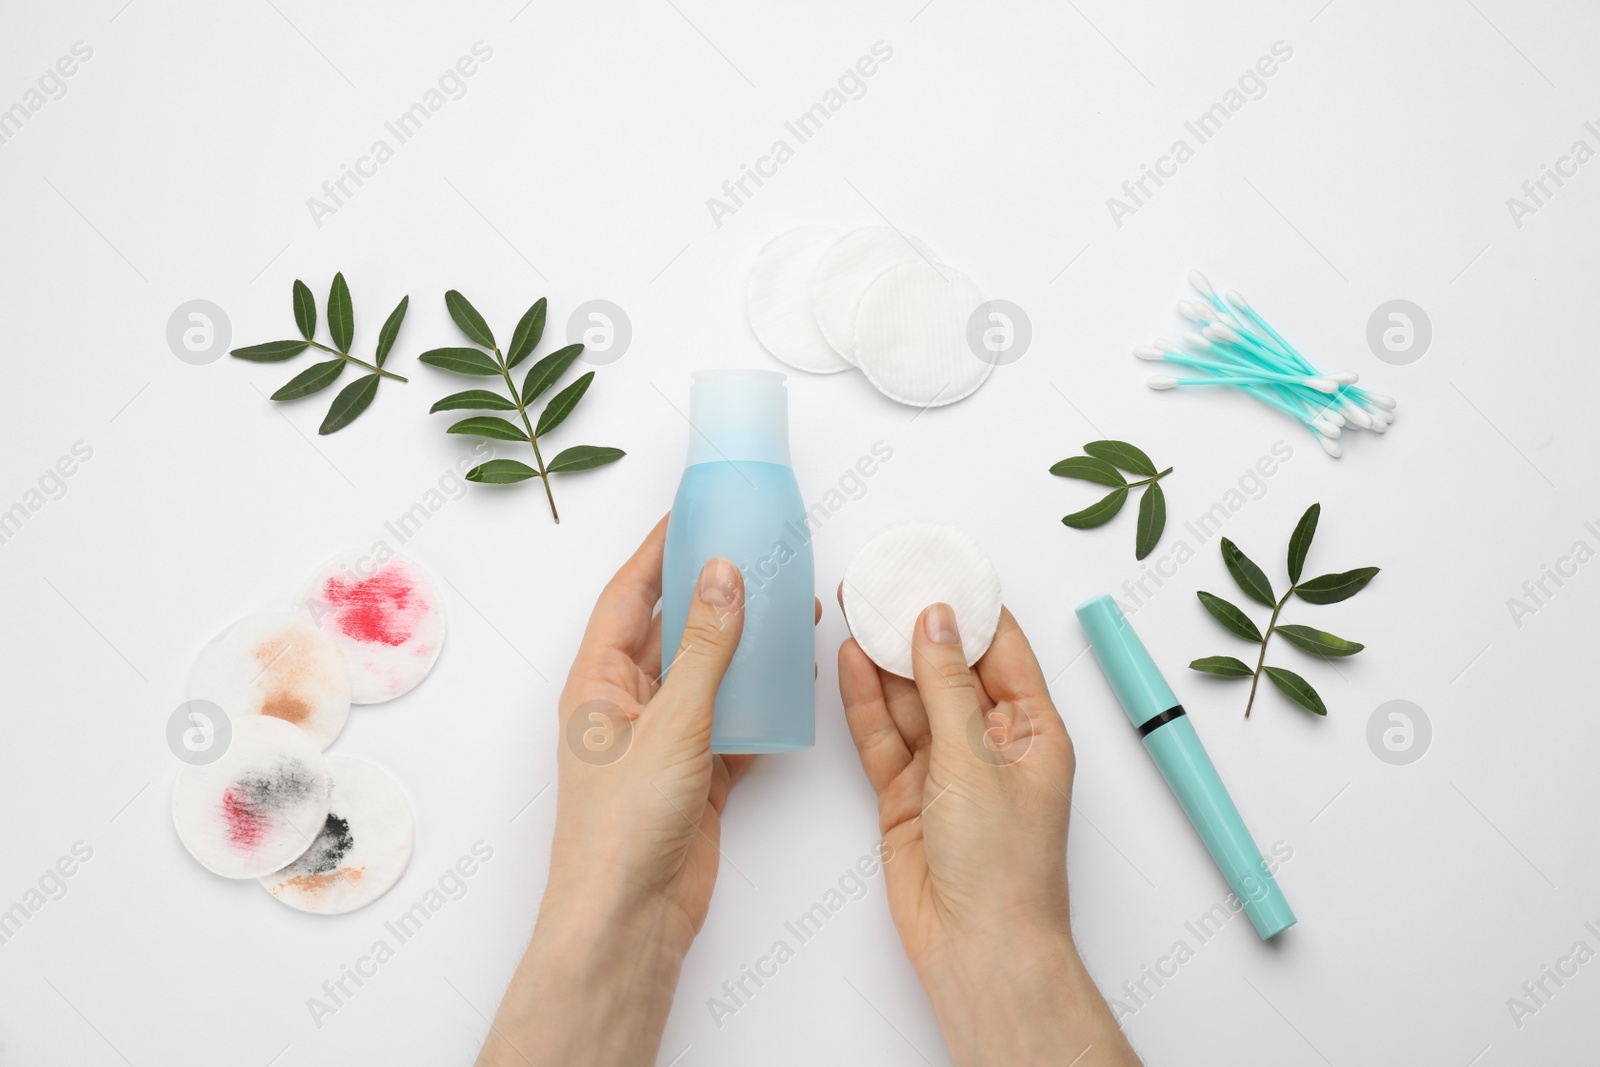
902	570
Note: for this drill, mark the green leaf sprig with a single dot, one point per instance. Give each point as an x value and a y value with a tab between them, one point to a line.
1324	589
540	377
1100	466
354	398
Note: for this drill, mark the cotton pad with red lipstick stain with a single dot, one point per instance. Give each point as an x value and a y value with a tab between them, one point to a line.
257	806
363	847
278	665
903	569
386	616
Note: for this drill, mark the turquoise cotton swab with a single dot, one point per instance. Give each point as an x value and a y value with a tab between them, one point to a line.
1226	370
1162	381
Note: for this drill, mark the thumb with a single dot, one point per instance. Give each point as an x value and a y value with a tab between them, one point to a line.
948	687
710	637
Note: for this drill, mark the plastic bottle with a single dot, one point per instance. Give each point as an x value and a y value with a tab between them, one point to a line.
739	500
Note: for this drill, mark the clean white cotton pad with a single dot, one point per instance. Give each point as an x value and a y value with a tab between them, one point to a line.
911	335
778	300
385	615
847	268
278	665
362	850
902	570
257	806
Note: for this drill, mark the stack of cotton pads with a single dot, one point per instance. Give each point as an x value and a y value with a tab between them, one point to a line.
903	569
1236	347
876	300
324	834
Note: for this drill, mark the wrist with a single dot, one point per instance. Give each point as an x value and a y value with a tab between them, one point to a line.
597	913
1016	997
596	983
602	896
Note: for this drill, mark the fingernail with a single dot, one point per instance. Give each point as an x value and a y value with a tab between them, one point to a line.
939	623
719	583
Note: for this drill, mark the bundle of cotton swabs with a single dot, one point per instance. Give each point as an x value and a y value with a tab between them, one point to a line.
1236	347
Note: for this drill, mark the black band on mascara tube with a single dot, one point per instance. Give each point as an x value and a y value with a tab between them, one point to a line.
1156	721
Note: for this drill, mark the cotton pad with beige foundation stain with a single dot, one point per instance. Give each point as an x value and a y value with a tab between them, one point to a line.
259	805
845	272
362	850
903	569
911	335
386	616
277	665
778	301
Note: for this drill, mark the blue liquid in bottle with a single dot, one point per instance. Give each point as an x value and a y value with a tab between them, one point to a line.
738	499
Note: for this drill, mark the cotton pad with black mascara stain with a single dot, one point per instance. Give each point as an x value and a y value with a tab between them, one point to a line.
363	847
386	616
259	805
278	665
903	569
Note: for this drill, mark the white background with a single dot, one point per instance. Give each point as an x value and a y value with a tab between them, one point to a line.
577	166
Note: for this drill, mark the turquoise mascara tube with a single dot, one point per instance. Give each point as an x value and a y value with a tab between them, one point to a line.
1170	739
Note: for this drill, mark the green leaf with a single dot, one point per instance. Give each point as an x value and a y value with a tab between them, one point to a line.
305	310
526	336
1100	513
1221	666
468	319
583	458
341	318
1318	642
351	401
1247	574
271	352
1297	689
1089	469
478	399
489	426
391	329
462	361
501	472
1232	618
313	379
1300	541
1122	454
545	373
561	405
1152	520
1332	588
